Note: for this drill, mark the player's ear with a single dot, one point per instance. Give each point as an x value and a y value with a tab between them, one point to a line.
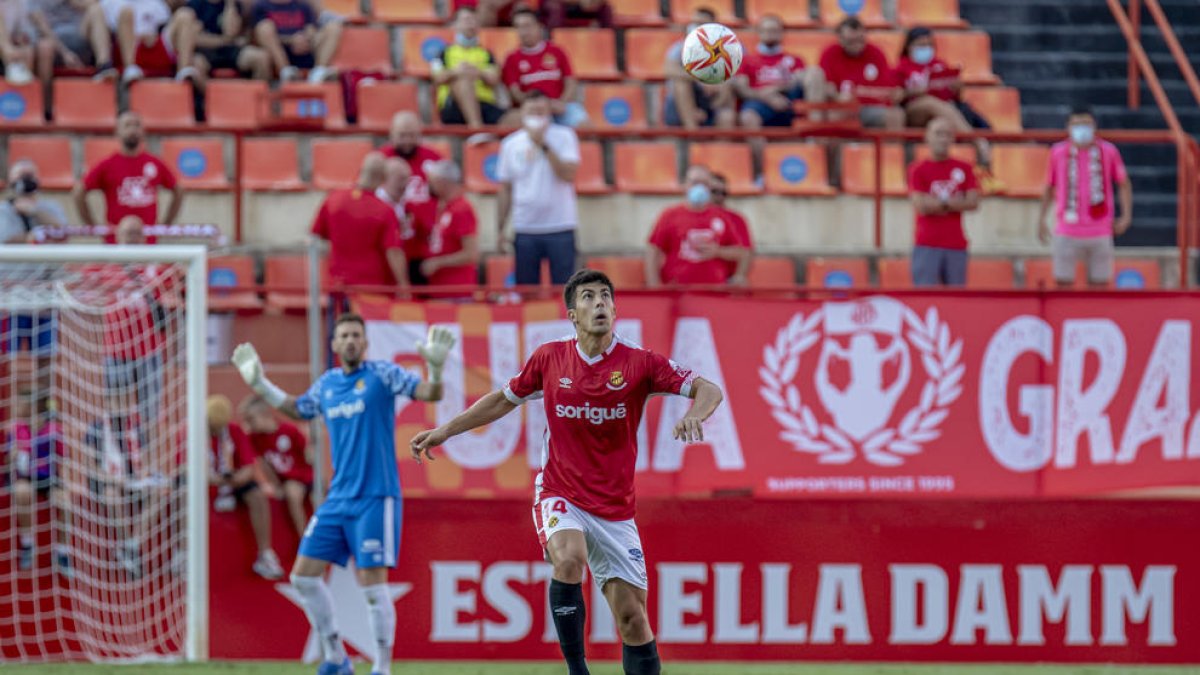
571	315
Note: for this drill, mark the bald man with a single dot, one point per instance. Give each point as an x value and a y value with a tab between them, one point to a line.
363	232
397	178
404	141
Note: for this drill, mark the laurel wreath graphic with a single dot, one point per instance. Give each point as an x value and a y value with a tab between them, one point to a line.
940	356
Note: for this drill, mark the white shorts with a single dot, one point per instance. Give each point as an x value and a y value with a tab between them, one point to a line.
614	547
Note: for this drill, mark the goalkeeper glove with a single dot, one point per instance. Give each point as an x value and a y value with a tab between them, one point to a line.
249	366
434	349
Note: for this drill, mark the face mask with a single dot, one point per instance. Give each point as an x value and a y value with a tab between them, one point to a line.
535	123
699	195
1082	134
769	49
464	41
25	185
922	54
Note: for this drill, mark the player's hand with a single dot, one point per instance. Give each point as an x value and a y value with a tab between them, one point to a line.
249	366
689	429
1043	233
1122	225
437	346
425	442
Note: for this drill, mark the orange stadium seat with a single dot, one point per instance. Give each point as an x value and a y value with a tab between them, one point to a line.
366	49
422	45
646	168
870	12
589	179
794	14
961	151
836	272
1137	273
1039	273
636	13
290	273
271	164
931	13
351	10
198	162
593	52
808	44
315	101
405	11
441	147
796	169
969	50
615	106
989	273
772	272
22	106
625	271
52	154
890	42
336	162
646	51
501	42
729	158
681	11
1000	106
1022	168
858	170
225	272
80	102
378	101
96	148
481	163
234	104
895	273
162	103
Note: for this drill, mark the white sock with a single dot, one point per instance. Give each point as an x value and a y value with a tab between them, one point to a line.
383	624
26	540
318	604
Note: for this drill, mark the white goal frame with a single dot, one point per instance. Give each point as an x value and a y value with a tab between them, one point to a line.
195	258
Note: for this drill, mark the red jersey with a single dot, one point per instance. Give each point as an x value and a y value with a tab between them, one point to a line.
284	451
593	409
934	78
456	220
943	180
770	70
679	234
360	229
741	233
868	69
134	321
417	199
130	186
544	68
230	449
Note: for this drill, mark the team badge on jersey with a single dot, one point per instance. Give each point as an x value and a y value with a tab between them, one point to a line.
553	522
360	386
616	380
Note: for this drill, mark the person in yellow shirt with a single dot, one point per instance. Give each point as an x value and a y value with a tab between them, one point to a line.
466	76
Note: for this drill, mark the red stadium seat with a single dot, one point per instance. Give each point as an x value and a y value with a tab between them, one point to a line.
646	168
794	14
96	148
636	13
289	274
1021	168
199	163
21	106
366	49
229	271
646	52
836	272
858	170
989	273
379	100
593	52
615	106
422	45
501	42
271	164
337	162
405	11
1000	106
481	162
931	13
807	44
52	154
624	271
589	179
162	103
895	273
351	10
80	102
772	272
871	13
729	158
969	50
1137	273
961	151
234	104
890	42
681	11
796	169
315	101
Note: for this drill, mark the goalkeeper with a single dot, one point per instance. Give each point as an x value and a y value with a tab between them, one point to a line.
361	513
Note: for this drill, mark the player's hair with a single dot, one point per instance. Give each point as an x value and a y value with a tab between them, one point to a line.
1082	109
850	22
706	11
349	317
585	276
525	10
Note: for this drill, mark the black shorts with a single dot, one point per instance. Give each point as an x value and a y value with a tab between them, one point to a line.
450	113
241	491
301	61
225	57
972	115
415	276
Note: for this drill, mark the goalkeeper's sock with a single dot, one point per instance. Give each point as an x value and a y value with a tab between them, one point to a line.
570	614
383	625
318	604
641	660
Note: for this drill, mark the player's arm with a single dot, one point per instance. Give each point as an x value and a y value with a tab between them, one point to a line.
434	350
964	202
706	396
249	366
485	411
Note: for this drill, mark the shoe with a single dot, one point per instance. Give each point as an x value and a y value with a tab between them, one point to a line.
131	560
343	668
267	566
18	74
320	74
187	73
25	557
105	72
63	562
132	72
224	503
289	74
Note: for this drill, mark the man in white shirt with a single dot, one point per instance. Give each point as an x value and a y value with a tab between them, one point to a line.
537	174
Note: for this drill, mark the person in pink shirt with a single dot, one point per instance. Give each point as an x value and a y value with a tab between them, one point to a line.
1080	181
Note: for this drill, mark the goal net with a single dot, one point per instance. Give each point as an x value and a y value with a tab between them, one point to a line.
102	508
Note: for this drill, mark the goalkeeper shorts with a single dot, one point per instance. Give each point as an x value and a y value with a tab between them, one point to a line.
367	528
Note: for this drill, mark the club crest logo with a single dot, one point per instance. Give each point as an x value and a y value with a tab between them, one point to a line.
616	380
868	343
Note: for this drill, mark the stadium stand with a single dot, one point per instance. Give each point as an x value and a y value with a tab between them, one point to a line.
336	162
379	100
80	102
422	44
163	104
931	13
231	279
644	52
624	271
199	161
871	13
589	179
1000	106
22	105
796	169
1022	168
858	170
990	273
646	168
365	49
234	104
593	52
836	272
314	102
480	165
731	159
405	11
271	164
794	14
681	11
615	106
637	13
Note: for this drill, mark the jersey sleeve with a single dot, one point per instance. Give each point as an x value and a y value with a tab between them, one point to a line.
970	182
308	404
320	226
668	377
166	177
243	449
660	237
398	381
504	169
1119	175
917	181
508	72
564	63
568	147
94	179
527	385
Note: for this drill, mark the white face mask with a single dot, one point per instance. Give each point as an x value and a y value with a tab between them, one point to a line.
1082	134
535	123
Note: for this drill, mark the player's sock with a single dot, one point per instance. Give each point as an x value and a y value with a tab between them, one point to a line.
641	660
383	625
570	614
318	604
26	540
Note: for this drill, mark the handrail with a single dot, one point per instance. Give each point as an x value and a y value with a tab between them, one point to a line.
1177	52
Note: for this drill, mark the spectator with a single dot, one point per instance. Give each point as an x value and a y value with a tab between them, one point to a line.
151	41
232	462
16	42
280	447
539	65
491	13
942	188
576	13
1080	179
770	79
24	209
130	179
466	77
404	141
690	104
536	172
363	232
454	242
859	71
123	460
396	177
693	242
221	42
288	30
739	270
72	33
38	440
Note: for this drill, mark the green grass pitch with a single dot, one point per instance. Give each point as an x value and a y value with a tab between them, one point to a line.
543	668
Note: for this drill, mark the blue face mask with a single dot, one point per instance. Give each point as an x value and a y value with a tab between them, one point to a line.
1082	134
699	195
922	54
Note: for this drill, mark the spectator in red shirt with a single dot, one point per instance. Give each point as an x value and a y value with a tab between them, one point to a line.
363	232
693	242
942	188
770	79
739	270
453	241
539	65
576	13
130	179
859	71
280	448
152	39
404	141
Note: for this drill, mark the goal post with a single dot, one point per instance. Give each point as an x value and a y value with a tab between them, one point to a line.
127	438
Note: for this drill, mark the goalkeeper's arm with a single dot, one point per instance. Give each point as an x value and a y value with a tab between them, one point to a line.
250	368
435	349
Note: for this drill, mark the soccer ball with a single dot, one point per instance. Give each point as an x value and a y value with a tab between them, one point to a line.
712	53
